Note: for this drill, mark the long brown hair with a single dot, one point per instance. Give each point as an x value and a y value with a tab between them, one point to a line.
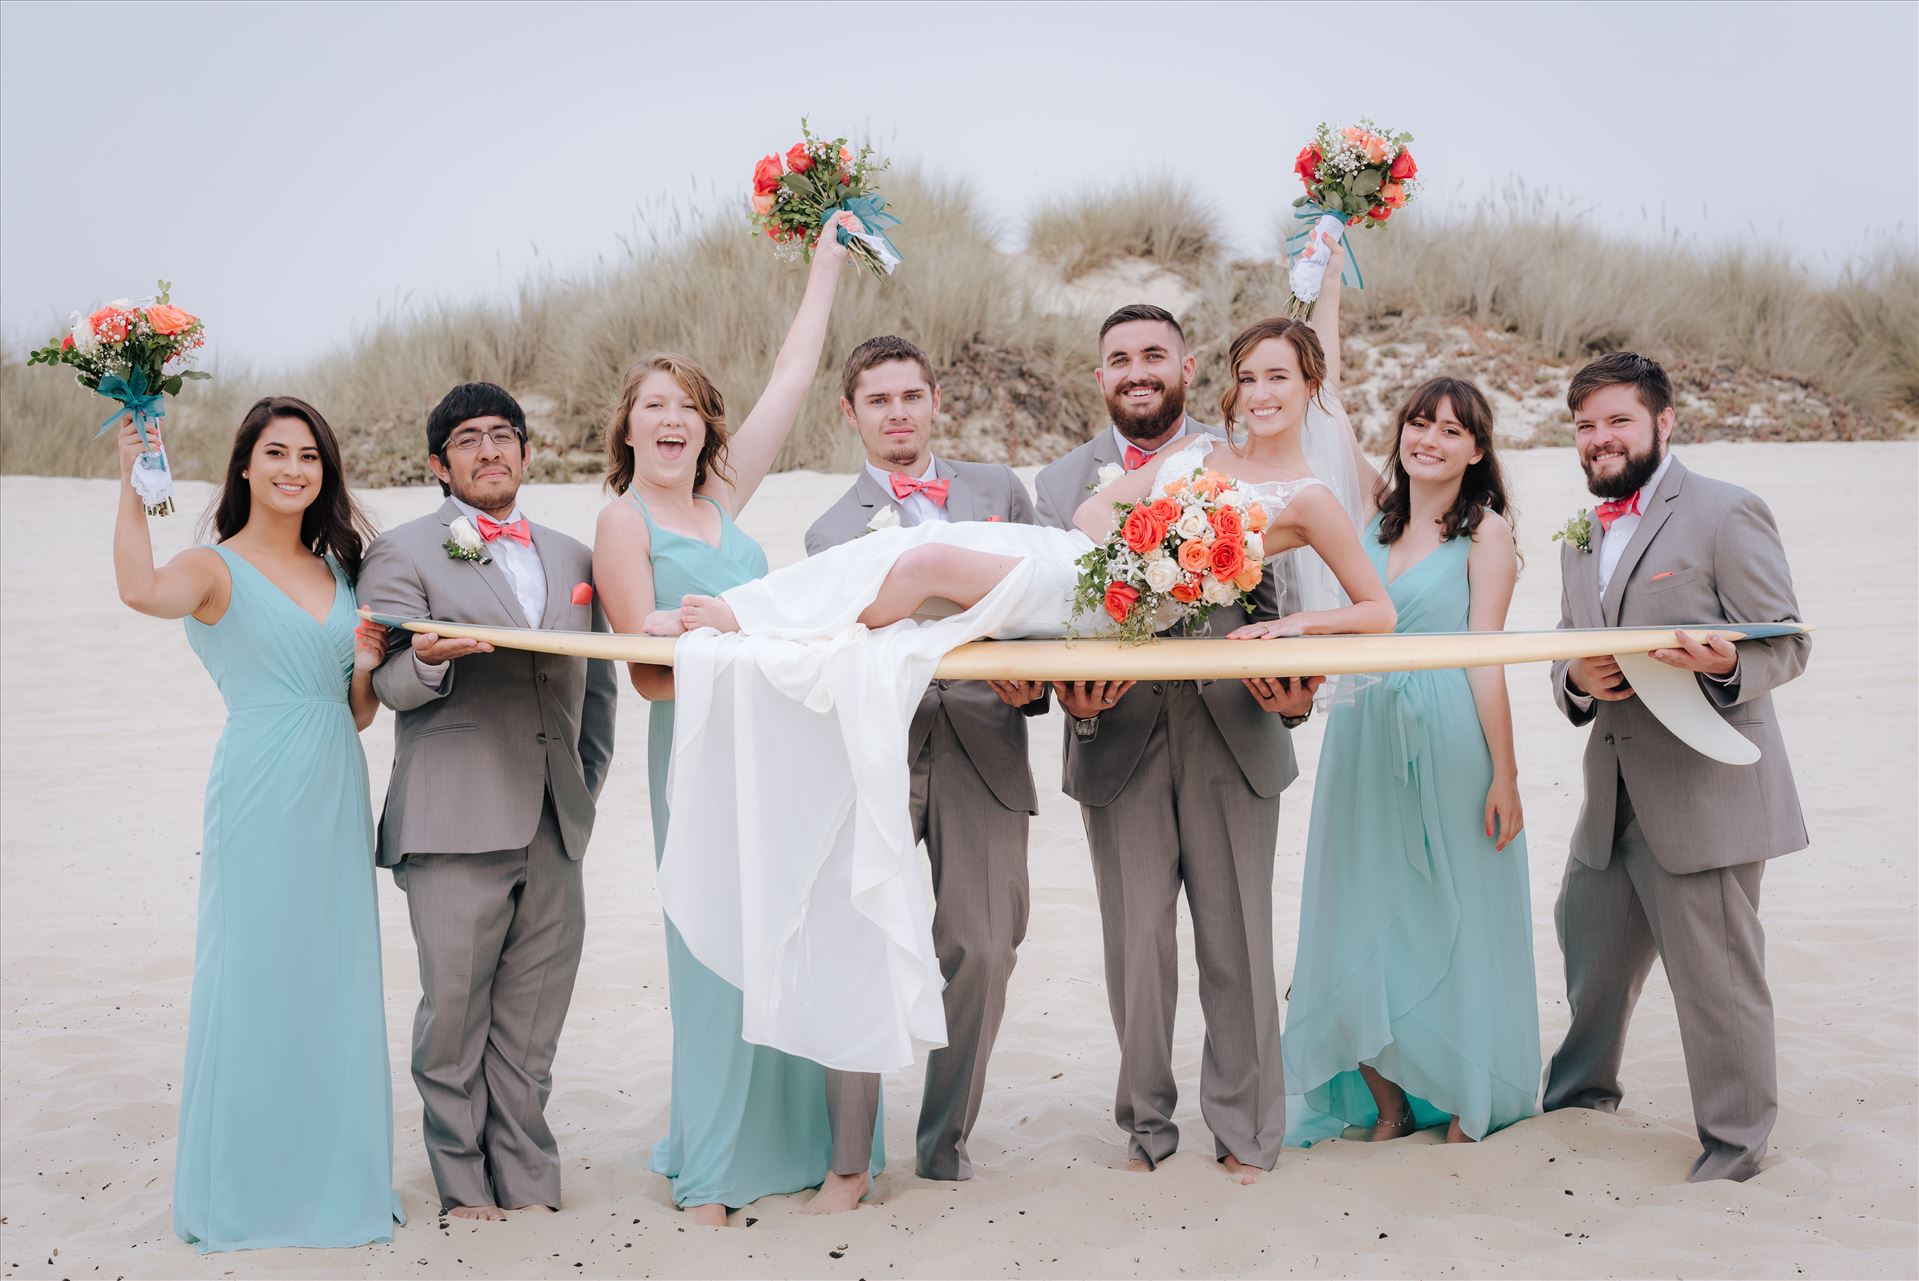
707	402
1481	489
332	525
1305	344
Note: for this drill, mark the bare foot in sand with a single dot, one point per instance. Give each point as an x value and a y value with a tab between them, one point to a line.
1456	1135
1139	1165
664	622
708	1216
484	1213
708	611
840	1192
1246	1174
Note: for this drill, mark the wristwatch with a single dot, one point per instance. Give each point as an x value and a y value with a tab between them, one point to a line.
1085	728
1294	722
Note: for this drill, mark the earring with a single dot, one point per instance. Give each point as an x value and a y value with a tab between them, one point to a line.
243	476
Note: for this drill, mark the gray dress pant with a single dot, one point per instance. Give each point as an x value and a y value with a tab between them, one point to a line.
1187	819
499	935
977	848
1704	926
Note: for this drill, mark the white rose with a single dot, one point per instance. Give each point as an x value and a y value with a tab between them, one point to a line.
1110	473
1255	546
884	518
1156	552
1193	524
1161	575
1214	592
465	537
84	340
1231	498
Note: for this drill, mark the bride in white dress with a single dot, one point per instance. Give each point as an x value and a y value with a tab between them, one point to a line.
790	868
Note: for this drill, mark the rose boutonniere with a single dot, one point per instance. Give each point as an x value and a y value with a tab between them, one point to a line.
1106	476
1578	532
883	518
465	543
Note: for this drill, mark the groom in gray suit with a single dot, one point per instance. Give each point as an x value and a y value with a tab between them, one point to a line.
972	790
497	764
1670	845
1179	784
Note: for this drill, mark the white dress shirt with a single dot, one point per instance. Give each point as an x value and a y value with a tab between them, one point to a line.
524	573
1612	543
917	509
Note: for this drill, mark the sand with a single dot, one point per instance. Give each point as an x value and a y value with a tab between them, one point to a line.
109	725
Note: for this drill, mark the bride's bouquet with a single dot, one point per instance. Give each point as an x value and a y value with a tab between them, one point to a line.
135	353
796	192
1175	556
1357	176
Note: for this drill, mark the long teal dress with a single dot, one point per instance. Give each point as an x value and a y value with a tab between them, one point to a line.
286	1112
745	1121
1415	934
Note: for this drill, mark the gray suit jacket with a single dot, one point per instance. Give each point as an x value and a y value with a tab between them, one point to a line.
1705	552
1096	771
473	761
993	734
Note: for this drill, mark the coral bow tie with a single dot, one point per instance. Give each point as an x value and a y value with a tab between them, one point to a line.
518	530
906	487
1613	508
1136	457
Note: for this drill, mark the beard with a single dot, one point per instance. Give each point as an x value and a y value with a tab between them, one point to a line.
1139	424
1631	478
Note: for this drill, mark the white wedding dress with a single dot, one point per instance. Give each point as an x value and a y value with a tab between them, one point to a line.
790	867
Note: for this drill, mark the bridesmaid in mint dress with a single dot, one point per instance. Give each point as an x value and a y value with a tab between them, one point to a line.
286	1109
745	1121
1413	1002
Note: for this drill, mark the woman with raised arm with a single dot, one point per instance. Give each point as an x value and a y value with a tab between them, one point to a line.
745	1121
286	1110
1412	1001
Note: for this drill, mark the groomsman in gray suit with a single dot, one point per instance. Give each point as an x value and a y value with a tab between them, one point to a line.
1179	785
972	796
1670	846
498	761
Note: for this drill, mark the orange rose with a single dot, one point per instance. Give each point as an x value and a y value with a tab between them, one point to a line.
1392	195
1166	509
766	175
798	160
1119	600
1178	487
1194	555
763	203
1227	559
168	319
1249	575
1142	530
1256	517
1184	592
110	324
1404	167
1226	524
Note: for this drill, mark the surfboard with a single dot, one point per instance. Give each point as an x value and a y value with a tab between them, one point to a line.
1669	693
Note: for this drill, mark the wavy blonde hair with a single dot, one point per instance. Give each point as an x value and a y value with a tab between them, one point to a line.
707	402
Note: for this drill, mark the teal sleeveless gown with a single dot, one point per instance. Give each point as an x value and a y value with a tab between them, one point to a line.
286	1111
745	1121
1415	935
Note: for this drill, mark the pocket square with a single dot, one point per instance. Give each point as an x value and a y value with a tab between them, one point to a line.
582	593
1668	574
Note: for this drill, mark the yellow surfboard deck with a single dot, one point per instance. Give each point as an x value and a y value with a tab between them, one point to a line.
1170	659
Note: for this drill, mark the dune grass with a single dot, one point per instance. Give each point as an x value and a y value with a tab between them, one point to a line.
1014	359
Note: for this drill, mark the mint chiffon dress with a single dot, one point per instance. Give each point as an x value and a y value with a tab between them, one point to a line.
1415	935
745	1121
286	1109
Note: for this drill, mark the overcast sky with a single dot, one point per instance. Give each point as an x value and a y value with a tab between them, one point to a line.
298	169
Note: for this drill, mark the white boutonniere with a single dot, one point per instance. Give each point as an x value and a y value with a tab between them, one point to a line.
883	518
465	543
1107	475
1578	532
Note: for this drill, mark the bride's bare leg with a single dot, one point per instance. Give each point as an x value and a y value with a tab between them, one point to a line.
936	571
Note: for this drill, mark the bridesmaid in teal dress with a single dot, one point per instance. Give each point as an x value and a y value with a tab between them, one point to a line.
745	1121
1413	1002
286	1110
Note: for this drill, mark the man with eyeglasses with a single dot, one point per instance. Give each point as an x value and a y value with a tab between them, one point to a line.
498	761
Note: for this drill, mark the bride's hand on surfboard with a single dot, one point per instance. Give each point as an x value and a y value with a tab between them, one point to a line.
1268	629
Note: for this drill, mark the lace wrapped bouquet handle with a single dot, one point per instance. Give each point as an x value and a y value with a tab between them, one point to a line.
135	354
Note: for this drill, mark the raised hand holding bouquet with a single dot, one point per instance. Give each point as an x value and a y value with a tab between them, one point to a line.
797	192
135	353
1175	556
1356	176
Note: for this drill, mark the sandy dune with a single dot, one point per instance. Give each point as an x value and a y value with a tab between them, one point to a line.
109	725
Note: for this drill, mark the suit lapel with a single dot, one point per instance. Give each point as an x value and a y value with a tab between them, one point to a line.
961	502
558	594
1650	521
490	573
872	496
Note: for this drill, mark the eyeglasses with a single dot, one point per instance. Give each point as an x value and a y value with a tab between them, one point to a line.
468	441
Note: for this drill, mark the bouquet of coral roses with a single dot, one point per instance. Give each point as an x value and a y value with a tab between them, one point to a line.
134	353
1175	556
1356	176
796	193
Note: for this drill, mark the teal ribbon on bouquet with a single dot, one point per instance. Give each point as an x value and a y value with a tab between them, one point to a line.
134	397
871	211
1310	213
